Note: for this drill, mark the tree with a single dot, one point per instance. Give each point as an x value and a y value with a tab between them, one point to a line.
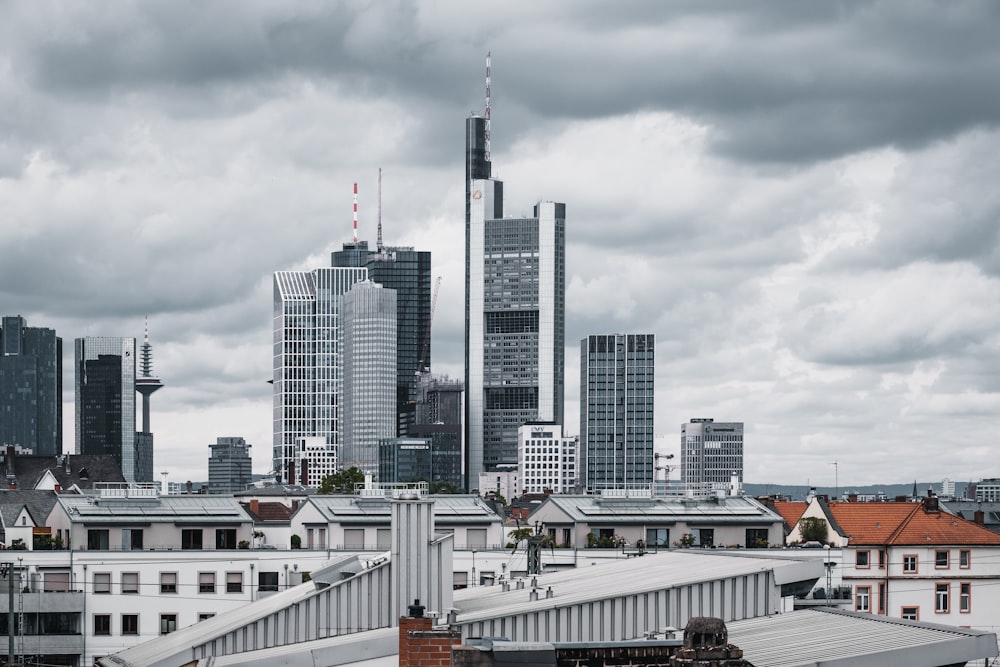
342	481
812	529
441	486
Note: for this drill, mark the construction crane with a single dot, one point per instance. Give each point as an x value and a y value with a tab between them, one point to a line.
427	334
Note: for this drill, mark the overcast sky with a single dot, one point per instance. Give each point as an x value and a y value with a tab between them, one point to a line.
799	199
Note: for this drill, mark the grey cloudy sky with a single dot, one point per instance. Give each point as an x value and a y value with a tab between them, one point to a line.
798	199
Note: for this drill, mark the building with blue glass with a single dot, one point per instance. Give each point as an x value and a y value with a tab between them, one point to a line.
30	387
105	400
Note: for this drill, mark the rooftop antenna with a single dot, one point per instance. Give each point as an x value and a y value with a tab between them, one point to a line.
379	242
487	113
355	212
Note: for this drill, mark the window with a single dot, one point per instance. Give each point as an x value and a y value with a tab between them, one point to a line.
756	538
909	564
206	582
706	537
354	538
941	598
476	538
225	538
658	537
102	624
941	559
383	538
168	582
267	581
97	540
168	623
191	538
131	539
965	597
862	598
56	582
205	615
130	582
234	582
130	624
965	559
102	582
881	559
910	613
861	559
881	597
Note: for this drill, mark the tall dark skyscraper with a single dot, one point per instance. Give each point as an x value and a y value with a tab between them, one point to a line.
30	387
145	384
515	303
105	400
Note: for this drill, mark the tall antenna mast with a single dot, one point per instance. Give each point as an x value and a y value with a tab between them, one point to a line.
487	113
379	242
355	212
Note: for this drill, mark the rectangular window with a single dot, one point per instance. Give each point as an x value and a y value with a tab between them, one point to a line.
168	582
102	582
205	615
756	538
102	624
168	623
354	538
965	559
881	559
225	538
881	597
56	582
130	624
476	538
267	581
706	537
191	538
383	538
658	537
861	559
910	613
97	540
941	559
131	539
234	582
862	598
942	593
206	582
965	597
909	563
130	583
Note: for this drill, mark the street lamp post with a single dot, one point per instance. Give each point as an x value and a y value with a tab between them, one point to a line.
474	567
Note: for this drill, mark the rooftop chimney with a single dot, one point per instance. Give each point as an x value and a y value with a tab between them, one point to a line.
420	645
979	517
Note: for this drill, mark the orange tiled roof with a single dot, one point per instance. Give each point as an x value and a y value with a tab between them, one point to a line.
906	523
790	511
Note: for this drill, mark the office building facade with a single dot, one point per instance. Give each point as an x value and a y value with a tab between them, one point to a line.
105	400
438	413
30	387
547	461
515	314
617	376
711	455
368	348
307	364
229	465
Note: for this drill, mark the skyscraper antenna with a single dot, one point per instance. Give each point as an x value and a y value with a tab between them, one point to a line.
355	212
487	113
379	242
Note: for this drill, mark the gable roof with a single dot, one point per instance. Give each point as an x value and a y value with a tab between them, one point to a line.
38	503
907	524
69	470
268	512
790	511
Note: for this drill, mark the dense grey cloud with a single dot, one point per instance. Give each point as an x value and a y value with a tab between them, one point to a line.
797	198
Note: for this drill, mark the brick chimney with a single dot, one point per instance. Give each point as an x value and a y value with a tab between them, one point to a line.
852	497
979	517
420	645
255	506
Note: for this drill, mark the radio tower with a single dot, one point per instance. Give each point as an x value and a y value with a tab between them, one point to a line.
146	383
378	245
486	115
355	212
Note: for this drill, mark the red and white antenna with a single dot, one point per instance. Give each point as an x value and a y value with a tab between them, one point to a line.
486	115
379	209
355	212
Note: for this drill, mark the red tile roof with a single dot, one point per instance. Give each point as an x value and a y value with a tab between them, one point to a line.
907	524
790	511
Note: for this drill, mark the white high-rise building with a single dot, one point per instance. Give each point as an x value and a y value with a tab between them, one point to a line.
547	460
711	455
307	365
368	348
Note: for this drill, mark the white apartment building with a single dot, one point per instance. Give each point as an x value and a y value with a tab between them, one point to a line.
546	459
505	480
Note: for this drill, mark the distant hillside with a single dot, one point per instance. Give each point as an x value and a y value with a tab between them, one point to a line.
890	490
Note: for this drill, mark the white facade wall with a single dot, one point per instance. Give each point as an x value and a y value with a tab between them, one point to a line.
505	481
546	459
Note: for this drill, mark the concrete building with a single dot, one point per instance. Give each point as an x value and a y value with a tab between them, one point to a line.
105	400
229	466
505	480
711	455
30	387
368	354
546	459
617	377
515	303
988	490
307	381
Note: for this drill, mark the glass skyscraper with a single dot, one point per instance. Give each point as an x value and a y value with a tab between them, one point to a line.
515	294
307	362
368	346
711	454
616	410
30	387
105	399
229	466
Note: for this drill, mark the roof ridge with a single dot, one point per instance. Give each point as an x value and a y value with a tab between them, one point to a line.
904	523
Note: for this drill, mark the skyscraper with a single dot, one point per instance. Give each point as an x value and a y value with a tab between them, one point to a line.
408	272
30	387
711	454
368	348
105	399
229	466
307	363
146	383
439	419
616	410
515	288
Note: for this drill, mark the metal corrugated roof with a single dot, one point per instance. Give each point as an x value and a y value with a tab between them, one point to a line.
204	508
595	509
